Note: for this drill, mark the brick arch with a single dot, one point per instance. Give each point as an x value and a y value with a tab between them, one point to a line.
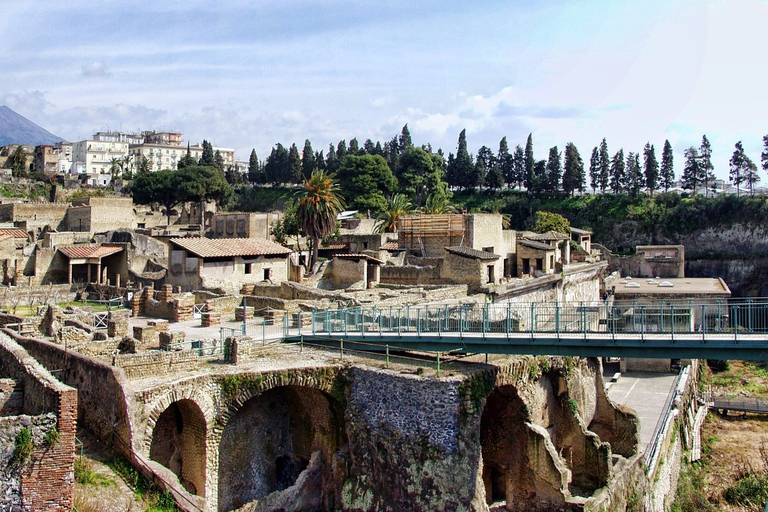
203	402
267	435
320	379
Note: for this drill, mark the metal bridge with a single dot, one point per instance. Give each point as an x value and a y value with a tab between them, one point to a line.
675	329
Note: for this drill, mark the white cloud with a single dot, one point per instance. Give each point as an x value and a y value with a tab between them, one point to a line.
95	69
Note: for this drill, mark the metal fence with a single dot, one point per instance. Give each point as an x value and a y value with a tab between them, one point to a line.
637	317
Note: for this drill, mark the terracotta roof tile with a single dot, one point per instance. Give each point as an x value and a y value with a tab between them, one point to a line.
227	247
546	237
14	232
358	257
88	251
390	246
541	246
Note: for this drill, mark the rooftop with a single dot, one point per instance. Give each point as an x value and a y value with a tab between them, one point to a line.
672	287
468	252
88	251
228	247
532	244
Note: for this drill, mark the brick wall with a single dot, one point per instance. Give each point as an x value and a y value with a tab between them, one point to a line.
47	479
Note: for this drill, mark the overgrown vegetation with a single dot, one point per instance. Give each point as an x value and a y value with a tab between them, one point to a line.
23	446
85	475
156	500
232	385
52	437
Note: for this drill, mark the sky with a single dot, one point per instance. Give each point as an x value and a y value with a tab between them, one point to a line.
247	74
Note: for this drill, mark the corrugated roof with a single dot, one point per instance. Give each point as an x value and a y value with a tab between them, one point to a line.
14	232
88	251
226	247
541	246
468	252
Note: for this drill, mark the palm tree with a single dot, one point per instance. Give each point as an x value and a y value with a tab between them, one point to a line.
114	165
126	164
437	204
319	205
399	206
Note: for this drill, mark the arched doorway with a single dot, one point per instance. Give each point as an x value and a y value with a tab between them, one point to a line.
268	442
178	443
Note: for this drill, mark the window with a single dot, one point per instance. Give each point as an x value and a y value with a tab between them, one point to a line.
248	268
488	249
267	274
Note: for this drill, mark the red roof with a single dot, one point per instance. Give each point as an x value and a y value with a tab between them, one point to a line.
227	247
390	246
88	251
14	232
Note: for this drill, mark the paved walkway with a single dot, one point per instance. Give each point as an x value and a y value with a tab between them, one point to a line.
646	394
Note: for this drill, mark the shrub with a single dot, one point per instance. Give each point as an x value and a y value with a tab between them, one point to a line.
23	446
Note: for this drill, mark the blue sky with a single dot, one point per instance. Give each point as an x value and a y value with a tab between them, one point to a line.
249	74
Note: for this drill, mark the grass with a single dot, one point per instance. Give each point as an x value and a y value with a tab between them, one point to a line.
156	500
23	446
85	475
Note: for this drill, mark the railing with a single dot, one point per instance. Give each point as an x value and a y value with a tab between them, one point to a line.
645	318
658	431
100	320
266	330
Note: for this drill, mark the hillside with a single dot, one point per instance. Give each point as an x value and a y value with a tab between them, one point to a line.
17	129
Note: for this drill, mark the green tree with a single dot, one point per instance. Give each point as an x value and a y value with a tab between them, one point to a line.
705	159
594	169
162	187
368	180
143	165
528	165
420	174
693	174
518	165
617	172
397	207
207	158
276	166
539	179
218	161
461	168
743	170
114	166
667	169
634	174
549	221
405	141
764	155
126	167
17	162
573	172
255	172
204	184
437	204
605	166
308	160
506	163
294	165
186	160
320	203
483	163
554	171
651	168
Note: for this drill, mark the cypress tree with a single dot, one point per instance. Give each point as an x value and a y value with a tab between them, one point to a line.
573	174
651	168
667	171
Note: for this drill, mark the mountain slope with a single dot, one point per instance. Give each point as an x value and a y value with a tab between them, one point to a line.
17	129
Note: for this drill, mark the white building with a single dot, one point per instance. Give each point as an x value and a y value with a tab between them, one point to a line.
95	156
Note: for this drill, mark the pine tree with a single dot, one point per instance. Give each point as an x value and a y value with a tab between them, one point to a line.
605	166
573	173
617	172
207	157
667	171
463	162
705	159
354	147
518	166
764	156
483	163
187	160
634	174
254	170
743	170
505	163
308	160
539	179
294	165
405	141
554	171
276	166
594	169
529	163
693	175
650	168
218	161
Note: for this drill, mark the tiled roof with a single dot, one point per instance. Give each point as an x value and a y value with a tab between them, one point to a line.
358	257
545	237
580	231
226	247
14	232
88	251
536	245
468	252
334	246
390	246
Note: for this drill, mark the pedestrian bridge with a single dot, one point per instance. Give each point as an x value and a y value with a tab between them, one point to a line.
681	329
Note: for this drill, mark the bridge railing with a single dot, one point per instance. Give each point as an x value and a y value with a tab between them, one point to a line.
639	317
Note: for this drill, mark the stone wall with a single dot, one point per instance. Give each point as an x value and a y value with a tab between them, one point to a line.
47	479
160	362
